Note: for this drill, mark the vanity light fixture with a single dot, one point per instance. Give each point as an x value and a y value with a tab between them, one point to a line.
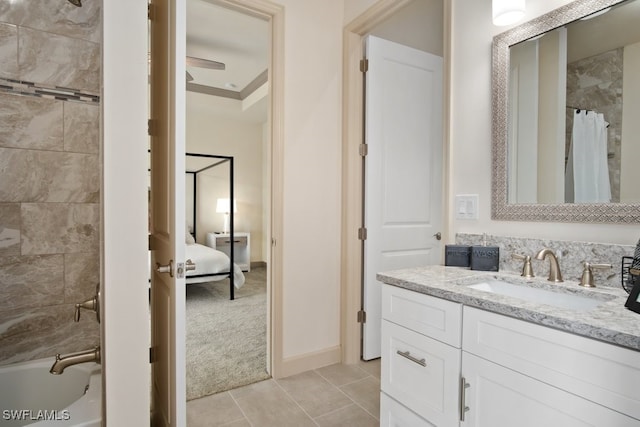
507	12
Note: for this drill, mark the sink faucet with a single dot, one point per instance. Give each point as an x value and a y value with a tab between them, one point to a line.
63	362
554	268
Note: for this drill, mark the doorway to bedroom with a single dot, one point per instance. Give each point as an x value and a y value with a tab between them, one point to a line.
227	115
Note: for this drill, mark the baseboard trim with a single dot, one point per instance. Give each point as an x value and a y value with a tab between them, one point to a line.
306	362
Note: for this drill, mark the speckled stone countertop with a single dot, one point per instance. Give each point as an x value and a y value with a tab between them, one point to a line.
610	322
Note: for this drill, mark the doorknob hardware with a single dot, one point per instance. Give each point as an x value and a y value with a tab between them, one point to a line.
438	236
165	268
464	385
190	265
407	355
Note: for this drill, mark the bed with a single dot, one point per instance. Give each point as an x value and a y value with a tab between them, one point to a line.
211	264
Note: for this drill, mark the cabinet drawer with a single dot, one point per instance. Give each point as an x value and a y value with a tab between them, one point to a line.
431	316
602	373
420	372
393	414
226	241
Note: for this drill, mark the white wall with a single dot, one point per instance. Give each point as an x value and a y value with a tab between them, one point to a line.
208	133
470	127
312	171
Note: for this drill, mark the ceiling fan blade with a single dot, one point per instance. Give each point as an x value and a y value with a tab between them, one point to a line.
204	63
189	77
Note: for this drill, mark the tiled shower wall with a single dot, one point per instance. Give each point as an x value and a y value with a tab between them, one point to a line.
50	168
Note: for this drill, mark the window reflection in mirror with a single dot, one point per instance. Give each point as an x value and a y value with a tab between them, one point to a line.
574	101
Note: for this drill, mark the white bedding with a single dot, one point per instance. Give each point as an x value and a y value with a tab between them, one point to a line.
208	261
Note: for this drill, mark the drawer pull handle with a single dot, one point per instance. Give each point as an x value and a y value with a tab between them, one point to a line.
235	241
407	355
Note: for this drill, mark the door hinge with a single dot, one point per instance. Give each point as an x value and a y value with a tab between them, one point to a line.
364	65
362	316
363	150
152	355
362	233
150	10
152	127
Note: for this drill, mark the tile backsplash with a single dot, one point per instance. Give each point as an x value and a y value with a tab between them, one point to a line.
570	255
50	168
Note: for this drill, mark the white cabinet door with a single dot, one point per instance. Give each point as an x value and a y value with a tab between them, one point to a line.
500	397
422	373
393	414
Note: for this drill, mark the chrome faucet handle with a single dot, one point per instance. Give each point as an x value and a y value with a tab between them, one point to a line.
587	273
527	269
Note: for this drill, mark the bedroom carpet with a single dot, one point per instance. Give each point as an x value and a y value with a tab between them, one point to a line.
226	340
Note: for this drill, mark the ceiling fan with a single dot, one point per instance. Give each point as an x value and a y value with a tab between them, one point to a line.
203	63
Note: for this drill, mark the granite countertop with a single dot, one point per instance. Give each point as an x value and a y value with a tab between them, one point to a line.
610	322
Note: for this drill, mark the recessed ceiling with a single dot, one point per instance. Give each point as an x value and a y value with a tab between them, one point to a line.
238	40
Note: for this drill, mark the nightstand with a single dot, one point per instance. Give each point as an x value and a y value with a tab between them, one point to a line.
241	247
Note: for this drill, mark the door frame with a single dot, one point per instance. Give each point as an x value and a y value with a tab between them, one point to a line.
352	173
273	13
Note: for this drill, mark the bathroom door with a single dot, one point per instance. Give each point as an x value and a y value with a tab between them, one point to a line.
167	221
403	169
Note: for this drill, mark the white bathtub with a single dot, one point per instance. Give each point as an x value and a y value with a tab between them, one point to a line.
30	395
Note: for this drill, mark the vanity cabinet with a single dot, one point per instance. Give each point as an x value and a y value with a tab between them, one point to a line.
483	369
420	359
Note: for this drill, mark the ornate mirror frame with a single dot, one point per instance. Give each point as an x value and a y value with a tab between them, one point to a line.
500	208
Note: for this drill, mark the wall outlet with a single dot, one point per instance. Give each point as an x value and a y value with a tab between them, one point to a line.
466	206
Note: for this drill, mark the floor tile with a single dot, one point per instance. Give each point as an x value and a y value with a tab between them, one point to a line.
372	367
266	404
365	393
340	374
314	394
352	416
217	410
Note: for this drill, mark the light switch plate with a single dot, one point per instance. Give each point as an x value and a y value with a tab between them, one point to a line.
466	206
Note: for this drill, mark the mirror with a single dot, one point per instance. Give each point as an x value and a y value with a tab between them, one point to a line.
565	136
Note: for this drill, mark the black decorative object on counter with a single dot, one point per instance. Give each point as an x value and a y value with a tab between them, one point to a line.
485	258
457	255
631	270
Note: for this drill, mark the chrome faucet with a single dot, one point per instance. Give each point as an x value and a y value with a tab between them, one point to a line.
554	268
63	362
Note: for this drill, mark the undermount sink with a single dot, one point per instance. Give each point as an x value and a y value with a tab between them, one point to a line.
559	298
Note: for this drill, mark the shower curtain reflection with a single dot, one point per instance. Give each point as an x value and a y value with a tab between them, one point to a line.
587	171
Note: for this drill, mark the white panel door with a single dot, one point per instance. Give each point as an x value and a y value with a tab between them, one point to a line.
403	169
168	50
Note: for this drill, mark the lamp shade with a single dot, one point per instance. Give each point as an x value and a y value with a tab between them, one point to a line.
222	206
507	12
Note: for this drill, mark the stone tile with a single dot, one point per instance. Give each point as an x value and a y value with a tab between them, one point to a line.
365	393
55	60
28	122
30	281
266	404
340	374
9	229
8	51
372	367
43	332
81	276
81	127
63	18
352	416
216	410
49	228
314	394
49	176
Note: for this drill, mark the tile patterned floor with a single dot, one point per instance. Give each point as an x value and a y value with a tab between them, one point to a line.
336	395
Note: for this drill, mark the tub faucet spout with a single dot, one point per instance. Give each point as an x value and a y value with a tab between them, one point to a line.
63	362
554	268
